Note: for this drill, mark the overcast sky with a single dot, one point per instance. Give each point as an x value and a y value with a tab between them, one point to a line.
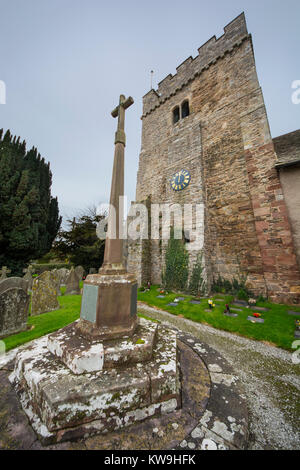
65	63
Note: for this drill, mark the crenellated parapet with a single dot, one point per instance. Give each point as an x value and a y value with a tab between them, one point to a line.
234	34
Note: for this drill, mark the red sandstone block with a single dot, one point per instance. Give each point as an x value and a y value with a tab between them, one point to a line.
261	211
288	260
261	225
269	261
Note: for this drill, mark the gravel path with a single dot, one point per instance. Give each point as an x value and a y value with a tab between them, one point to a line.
270	378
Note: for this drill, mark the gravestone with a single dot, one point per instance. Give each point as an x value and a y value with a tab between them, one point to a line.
260	309
93	271
4	271
14	304
44	293
72	284
256	320
13	282
28	276
195	302
79	270
63	275
292	312
242	303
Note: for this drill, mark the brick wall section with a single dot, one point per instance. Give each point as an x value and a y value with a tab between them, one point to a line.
270	212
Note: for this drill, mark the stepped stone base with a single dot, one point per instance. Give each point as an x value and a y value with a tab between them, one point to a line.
82	355
62	405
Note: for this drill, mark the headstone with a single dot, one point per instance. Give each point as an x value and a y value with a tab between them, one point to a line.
240	303
14	304
63	274
93	271
195	302
297	334
57	281
256	320
13	282
161	296
72	284
44	293
4	271
79	270
233	315
28	276
173	304
291	312
260	309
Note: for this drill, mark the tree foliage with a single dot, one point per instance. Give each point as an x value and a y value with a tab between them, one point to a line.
29	215
79	243
176	272
197	284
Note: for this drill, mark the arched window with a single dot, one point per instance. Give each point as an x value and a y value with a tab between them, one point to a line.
185	109
176	115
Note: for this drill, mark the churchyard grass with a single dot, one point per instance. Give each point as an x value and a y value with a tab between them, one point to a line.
47	322
278	328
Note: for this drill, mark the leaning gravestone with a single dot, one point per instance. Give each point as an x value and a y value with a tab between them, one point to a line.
72	284
4	271
13	282
44	293
28	276
79	270
14	304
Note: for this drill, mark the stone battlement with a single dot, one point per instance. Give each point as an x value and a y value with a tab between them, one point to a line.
234	34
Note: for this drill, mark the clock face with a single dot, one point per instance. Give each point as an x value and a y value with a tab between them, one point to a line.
180	180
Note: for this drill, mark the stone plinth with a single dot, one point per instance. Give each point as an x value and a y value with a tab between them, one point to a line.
108	308
82	355
60	404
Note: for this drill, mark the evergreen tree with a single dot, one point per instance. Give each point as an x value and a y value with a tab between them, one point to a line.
79	243
29	215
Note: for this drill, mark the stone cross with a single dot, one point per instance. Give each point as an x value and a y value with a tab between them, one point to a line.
109	299
113	255
4	271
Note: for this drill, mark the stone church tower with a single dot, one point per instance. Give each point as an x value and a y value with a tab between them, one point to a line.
210	121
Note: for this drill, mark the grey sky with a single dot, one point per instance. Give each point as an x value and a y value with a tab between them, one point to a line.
65	63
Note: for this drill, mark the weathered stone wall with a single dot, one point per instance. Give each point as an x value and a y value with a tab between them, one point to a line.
288	152
225	144
287	147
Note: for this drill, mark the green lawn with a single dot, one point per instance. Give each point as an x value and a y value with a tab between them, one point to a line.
278	328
